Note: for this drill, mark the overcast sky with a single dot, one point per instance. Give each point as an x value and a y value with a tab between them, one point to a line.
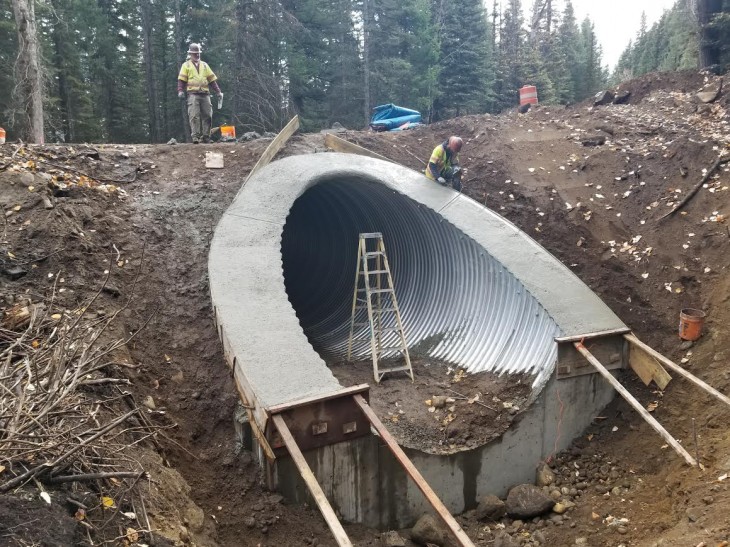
617	21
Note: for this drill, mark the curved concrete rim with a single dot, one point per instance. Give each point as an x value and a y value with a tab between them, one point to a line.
262	333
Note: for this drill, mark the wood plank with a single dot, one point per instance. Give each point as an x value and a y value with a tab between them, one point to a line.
635	404
341	145
274	147
345	392
260	437
632	339
421	483
311	481
647	368
597	334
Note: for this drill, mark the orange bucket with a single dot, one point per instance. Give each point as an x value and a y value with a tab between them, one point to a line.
2	136
690	324
228	133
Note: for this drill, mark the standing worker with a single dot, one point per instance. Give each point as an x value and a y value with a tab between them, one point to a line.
198	80
443	167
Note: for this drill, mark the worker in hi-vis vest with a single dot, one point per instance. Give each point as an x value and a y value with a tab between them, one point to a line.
198	80
443	166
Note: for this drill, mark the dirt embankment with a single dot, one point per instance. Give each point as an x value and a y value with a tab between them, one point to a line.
597	208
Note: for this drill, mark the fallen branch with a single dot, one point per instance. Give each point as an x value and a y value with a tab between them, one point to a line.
720	161
97	476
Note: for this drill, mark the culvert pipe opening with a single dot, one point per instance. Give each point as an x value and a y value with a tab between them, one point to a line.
458	304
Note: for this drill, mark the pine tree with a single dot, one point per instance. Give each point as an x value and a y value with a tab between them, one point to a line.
463	62
569	50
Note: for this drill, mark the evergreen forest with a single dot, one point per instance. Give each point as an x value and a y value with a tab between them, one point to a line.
108	68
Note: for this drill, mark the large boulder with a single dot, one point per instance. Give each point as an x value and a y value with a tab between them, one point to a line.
603	98
526	501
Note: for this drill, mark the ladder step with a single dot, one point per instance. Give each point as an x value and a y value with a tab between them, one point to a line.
371	272
372	254
382	371
380	291
371	235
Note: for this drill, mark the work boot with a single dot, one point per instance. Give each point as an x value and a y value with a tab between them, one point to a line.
206	139
195	140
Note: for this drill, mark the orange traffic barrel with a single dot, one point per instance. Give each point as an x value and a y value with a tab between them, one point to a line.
690	323
2	136
528	95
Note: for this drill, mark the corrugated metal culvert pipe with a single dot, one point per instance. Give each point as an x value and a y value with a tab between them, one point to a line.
458	303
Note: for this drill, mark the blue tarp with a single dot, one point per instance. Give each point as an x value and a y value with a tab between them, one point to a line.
389	117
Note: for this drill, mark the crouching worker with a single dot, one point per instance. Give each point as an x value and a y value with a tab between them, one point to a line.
443	167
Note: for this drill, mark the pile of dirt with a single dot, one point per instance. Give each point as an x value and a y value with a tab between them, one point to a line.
597	208
444	410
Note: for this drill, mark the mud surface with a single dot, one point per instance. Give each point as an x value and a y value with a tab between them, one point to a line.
597	209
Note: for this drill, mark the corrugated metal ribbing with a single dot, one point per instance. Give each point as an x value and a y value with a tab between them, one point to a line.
458	303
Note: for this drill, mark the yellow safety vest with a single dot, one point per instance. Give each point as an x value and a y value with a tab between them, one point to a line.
196	78
441	159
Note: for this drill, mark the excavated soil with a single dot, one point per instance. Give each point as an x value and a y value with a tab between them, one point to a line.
443	410
596	208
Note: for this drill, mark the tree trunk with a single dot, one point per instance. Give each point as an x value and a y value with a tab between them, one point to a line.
28	68
67	116
179	45
709	52
366	58
147	56
239	61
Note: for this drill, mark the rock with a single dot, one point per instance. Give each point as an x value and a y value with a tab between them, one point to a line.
710	93
687	344
581	541
615	491
594	140
601	489
490	508
269	135
524	108
112	290
249	522
172	141
539	537
27	179
427	530
439	401
606	129
337	126
149	402
603	98
559	508
693	514
14	272
503	539
622	97
709	500
545	475
249	136
527	501
184	534
392	539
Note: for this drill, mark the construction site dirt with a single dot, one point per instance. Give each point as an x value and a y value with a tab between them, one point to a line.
596	208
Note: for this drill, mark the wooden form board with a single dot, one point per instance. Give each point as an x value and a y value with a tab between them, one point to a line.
647	368
341	145
274	147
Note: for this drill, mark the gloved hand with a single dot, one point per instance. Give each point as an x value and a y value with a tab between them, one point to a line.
180	94
441	180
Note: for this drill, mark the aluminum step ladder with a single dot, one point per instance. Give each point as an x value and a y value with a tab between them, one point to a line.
374	291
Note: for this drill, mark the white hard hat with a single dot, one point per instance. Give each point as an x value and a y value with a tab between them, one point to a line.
195	48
